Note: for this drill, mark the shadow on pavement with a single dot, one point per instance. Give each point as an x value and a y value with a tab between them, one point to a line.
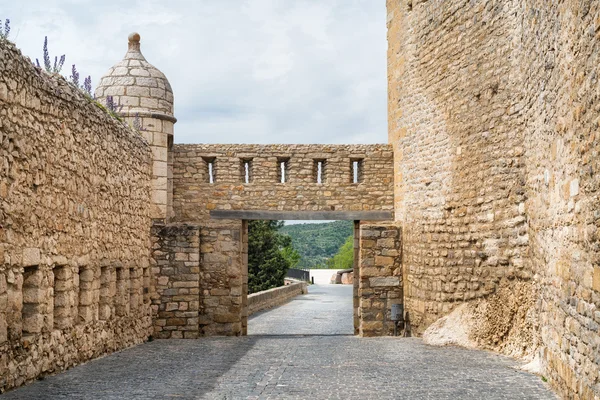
182	369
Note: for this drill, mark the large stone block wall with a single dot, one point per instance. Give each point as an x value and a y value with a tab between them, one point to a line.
459	176
222	278
492	115
74	226
381	280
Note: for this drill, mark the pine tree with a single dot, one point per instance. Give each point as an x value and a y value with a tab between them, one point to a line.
267	263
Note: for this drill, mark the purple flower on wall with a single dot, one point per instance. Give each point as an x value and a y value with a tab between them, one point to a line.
87	85
112	106
58	62
6	31
137	123
74	76
46	55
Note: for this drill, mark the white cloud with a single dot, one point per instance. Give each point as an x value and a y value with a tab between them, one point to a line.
261	71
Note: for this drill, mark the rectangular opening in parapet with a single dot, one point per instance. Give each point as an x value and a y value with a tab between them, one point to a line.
210	169
319	170
283	169
85	298
104	310
246	170
122	300
63	285
133	290
33	298
356	165
146	283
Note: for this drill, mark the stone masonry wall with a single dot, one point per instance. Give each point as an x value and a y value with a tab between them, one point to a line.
492	115
194	196
176	272
222	279
381	280
223	257
560	68
74	226
459	176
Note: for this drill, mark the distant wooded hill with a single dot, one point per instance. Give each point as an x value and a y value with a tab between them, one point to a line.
318	242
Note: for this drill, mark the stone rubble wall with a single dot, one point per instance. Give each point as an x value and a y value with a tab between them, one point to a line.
492	115
223	249
176	272
459	176
74	226
560	66
275	297
222	278
381	280
194	196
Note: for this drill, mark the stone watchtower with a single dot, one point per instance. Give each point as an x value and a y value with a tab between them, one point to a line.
143	96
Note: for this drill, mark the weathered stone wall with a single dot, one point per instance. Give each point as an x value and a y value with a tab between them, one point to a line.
381	282
223	256
74	226
560	68
274	297
491	116
222	278
458	151
176	273
194	196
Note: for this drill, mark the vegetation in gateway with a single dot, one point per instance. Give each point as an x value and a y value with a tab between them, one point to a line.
319	244
270	255
344	258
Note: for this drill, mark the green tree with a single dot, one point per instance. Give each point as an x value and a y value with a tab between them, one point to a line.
316	243
290	253
270	255
344	258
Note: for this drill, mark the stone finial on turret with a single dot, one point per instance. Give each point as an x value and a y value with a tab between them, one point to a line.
137	85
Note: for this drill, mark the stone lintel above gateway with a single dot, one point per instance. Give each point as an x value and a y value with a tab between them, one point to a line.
304	215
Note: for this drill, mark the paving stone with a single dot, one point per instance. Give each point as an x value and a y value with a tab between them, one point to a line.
302	350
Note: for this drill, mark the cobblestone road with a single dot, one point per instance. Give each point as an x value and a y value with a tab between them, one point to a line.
323	362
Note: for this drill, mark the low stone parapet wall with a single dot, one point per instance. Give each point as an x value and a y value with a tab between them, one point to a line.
274	297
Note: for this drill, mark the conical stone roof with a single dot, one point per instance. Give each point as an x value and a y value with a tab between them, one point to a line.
137	85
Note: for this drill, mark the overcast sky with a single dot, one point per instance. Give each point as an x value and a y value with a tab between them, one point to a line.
242	71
